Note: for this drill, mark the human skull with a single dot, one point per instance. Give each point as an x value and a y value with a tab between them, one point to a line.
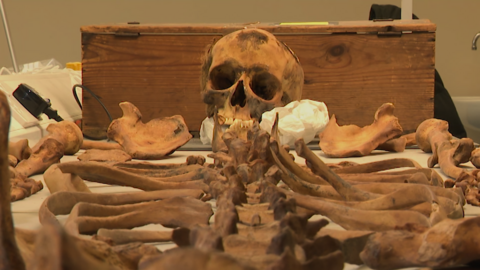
248	72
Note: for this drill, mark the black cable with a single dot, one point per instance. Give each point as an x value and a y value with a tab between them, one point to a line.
93	95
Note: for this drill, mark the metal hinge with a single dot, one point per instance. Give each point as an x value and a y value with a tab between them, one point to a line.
390	34
126	34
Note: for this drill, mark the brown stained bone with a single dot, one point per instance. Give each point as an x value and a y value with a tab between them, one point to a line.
239	149
394	145
67	133
351	242
100	145
299	185
64	138
146	165
281	155
10	257
161	171
62	203
203	237
124	236
429	135
432	175
398	144
19	149
449	243
454	194
410	138
55	249
153	140
417	198
418	178
347	191
197	259
226	217
475	159
254	217
355	219
351	140
114	155
87	218
195	159
381	165
57	181
401	199
12	161
102	173
218	145
453	153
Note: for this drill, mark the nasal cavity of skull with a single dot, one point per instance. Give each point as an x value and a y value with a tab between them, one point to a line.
223	77
239	98
265	85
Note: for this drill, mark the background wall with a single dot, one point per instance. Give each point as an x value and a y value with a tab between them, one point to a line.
51	28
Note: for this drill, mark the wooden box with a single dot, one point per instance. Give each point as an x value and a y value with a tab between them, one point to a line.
353	67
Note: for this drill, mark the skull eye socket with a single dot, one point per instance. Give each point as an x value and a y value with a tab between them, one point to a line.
265	85
223	76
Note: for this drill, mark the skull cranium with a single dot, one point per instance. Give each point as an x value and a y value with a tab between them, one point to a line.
248	72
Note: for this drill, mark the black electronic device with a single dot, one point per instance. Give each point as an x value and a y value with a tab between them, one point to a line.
34	103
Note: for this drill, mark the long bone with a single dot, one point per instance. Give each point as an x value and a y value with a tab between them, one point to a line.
380	165
163	172
55	250
298	185
102	173
100	145
355	219
418	178
113	155
347	172
384	188
125	236
61	203
320	168
452	208
392	201
10	257
448	243
64	138
172	212
314	190
306	188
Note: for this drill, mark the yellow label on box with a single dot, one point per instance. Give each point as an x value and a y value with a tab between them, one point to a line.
304	23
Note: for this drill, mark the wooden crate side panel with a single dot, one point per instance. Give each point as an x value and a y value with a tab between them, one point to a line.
352	74
355	74
158	74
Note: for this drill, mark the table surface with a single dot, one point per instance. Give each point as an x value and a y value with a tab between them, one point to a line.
25	212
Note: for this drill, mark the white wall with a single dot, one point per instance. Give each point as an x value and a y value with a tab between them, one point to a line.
43	29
